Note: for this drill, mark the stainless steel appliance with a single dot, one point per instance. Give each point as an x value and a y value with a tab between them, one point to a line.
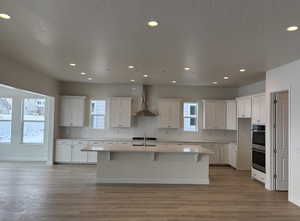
258	148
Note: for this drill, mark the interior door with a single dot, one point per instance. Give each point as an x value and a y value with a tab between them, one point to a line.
281	141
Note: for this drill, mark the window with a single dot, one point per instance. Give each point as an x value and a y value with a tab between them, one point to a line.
190	117
33	120
5	119
97	118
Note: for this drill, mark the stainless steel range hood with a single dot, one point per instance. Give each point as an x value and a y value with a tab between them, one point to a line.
144	111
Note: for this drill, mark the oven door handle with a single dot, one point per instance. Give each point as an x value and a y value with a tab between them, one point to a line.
258	150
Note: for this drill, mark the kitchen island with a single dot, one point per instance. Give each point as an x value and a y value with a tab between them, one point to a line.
160	164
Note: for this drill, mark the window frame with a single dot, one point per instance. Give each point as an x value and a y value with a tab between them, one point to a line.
196	116
38	121
11	121
91	115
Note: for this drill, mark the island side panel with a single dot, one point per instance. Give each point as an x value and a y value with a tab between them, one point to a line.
139	167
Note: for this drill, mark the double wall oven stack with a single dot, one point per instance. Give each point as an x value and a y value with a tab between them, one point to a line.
258	148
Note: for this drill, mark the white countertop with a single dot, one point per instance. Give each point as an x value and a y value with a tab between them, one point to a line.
160	148
158	140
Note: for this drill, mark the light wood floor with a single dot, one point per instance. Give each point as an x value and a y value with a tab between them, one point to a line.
69	193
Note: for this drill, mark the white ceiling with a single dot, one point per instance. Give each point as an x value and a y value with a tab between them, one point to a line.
103	37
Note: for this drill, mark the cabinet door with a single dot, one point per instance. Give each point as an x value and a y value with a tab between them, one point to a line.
232	154
258	109
220	115
63	151
209	115
164	112
174	118
78	156
125	112
231	115
247	106
214	115
72	111
240	108
77	112
114	110
244	107
65	116
92	157
215	157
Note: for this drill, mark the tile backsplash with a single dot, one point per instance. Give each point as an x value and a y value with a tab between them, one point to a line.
148	126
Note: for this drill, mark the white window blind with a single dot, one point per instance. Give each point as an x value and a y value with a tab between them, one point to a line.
97	116
190	116
5	119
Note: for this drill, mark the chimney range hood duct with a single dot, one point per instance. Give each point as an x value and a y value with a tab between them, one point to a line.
144	111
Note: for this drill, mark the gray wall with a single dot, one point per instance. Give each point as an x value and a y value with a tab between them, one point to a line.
255	88
284	78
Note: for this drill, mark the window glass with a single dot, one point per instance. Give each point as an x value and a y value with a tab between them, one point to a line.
33	120
34	109
190	116
33	132
5	119
98	110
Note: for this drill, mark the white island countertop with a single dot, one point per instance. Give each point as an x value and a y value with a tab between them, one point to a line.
159	148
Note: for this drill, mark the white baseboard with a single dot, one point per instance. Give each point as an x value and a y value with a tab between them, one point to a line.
152	181
294	201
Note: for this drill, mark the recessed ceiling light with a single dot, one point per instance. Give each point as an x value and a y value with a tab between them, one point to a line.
72	64
146	75
132	80
187	68
173	82
4	16
82	73
130	66
242	70
292	28
226	78
153	23
90	79
215	82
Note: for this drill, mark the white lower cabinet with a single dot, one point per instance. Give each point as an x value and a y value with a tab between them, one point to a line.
223	154
232	155
69	151
78	156
63	151
92	157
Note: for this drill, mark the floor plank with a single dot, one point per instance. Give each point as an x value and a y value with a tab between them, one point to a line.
68	192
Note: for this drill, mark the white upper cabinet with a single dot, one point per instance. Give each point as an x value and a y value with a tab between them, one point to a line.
169	113
72	111
214	114
231	123
258	109
120	112
244	107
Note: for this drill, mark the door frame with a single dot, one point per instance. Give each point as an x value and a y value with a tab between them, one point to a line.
273	137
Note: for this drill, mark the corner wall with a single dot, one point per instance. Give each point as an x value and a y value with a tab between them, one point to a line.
255	88
283	78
